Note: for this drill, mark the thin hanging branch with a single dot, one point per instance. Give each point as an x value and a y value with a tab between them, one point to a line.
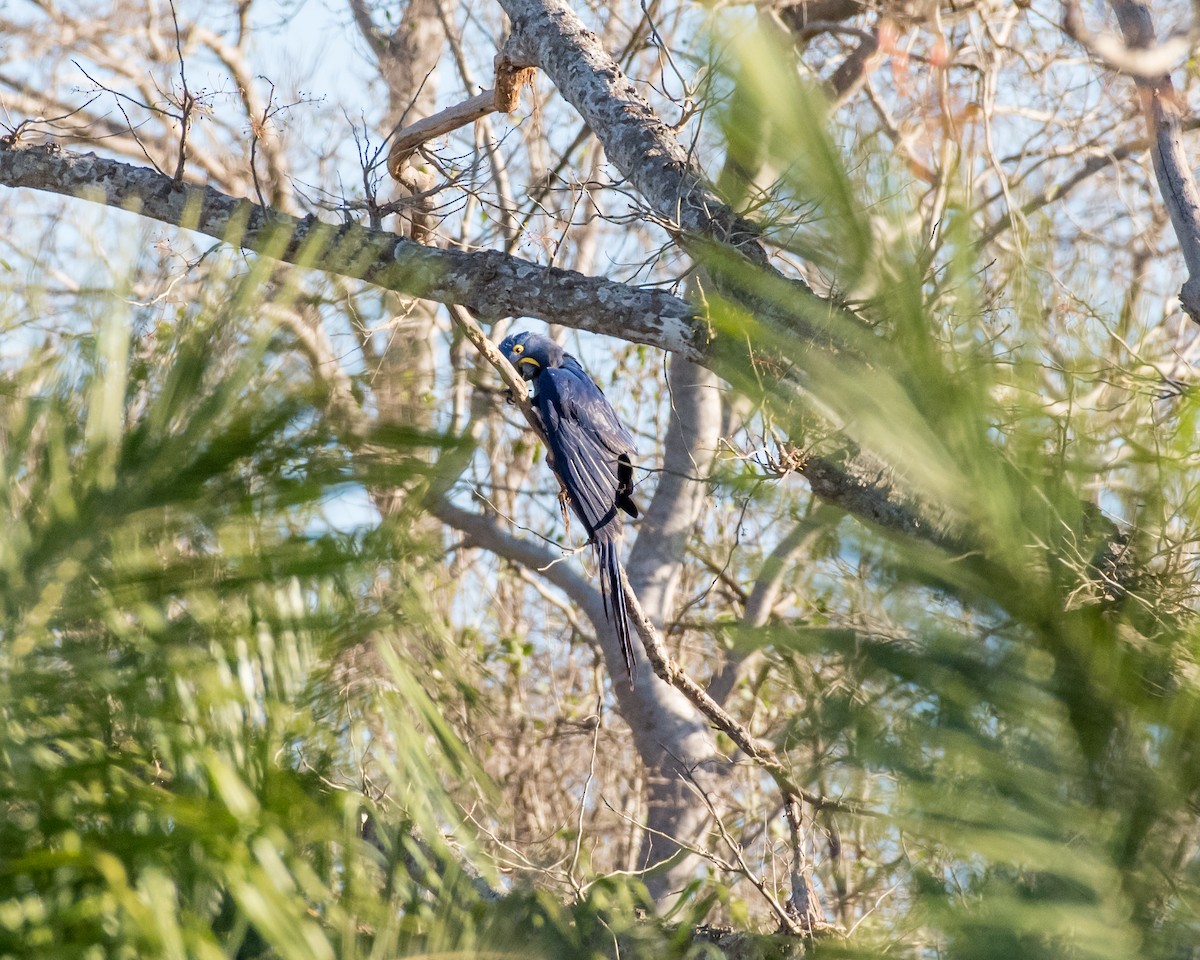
518	388
803	900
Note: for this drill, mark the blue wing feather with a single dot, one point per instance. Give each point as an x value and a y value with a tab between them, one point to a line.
587	441
591	454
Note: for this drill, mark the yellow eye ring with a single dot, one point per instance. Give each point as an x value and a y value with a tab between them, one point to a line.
518	348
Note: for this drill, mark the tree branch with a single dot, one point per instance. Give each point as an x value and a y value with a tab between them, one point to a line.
765	593
482	532
761	753
1056	192
552	37
548	35
439	124
803	899
490	284
1163	110
502	98
1144	60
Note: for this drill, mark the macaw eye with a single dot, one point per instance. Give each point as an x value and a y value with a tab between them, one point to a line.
518	348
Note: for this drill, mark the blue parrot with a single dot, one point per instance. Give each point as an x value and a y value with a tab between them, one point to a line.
590	453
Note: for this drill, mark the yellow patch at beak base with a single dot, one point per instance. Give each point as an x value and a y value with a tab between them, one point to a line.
528	360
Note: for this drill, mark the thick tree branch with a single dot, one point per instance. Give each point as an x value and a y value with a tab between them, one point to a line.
549	35
553	38
491	284
863	486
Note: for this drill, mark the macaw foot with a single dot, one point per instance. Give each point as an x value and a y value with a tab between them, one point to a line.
564	502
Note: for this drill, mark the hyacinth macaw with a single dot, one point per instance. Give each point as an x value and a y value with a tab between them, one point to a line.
590	453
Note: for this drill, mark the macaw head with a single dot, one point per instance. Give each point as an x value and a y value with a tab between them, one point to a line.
531	353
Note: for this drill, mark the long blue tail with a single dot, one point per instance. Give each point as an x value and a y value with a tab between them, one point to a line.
612	592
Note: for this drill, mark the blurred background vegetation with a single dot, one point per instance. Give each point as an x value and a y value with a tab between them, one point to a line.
259	697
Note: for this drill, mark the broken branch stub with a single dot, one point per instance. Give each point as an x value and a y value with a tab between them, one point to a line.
505	97
511	77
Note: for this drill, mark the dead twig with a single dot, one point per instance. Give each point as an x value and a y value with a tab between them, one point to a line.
504	97
187	102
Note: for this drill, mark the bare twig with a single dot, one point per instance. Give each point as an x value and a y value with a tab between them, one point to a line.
258	129
786	921
119	98
1056	192
503	98
187	102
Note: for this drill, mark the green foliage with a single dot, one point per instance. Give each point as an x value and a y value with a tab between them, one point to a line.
222	726
1024	725
218	736
174	761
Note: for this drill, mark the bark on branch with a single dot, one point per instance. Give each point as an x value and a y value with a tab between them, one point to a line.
549	35
490	284
503	98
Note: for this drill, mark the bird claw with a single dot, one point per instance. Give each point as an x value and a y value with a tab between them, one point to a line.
564	500
510	397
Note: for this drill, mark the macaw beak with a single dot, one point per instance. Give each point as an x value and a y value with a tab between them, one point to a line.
536	366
